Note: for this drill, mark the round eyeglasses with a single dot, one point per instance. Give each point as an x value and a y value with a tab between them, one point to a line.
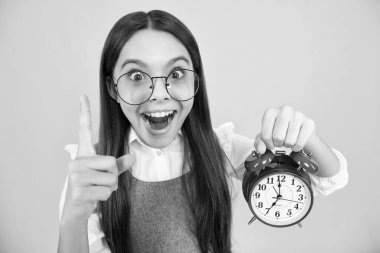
136	87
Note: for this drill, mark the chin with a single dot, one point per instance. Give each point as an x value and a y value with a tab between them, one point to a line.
160	142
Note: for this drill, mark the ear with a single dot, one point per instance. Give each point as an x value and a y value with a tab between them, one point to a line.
111	88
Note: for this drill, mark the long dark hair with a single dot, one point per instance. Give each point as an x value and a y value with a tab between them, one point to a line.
206	188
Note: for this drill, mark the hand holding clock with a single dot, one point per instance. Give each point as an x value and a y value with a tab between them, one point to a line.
284	127
287	127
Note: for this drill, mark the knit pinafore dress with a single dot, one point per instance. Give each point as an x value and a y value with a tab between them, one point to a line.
161	218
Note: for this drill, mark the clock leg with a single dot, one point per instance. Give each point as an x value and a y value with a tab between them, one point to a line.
252	220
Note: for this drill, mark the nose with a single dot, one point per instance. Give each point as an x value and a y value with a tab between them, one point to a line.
159	89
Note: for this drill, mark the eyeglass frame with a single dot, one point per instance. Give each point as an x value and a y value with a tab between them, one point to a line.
153	85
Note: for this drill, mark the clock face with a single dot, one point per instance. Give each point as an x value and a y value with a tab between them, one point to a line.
280	199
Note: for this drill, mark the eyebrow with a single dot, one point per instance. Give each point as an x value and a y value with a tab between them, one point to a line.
141	63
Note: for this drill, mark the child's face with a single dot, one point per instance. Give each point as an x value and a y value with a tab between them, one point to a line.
155	49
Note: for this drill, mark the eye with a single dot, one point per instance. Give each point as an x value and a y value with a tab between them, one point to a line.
177	74
136	75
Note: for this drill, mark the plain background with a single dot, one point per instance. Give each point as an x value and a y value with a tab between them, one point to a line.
321	57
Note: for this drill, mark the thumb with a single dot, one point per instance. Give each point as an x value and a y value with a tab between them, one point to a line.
259	144
125	162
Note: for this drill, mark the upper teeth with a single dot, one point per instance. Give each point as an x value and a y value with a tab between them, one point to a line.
159	114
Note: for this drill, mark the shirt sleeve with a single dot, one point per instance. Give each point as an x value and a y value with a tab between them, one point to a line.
327	185
238	147
96	238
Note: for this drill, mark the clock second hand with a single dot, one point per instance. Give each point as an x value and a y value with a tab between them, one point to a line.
287	200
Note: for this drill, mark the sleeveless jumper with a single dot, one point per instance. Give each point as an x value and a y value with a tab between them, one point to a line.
161	218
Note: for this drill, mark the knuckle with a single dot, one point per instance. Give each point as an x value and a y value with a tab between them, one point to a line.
285	114
77	195
110	160
310	123
74	178
72	166
111	164
287	108
114	179
299	115
105	194
80	161
269	112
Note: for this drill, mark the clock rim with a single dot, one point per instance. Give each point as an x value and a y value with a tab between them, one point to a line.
281	171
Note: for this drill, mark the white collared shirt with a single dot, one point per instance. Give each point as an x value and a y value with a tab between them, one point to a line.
153	164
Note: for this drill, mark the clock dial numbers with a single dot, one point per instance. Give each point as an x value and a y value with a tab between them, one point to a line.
280	199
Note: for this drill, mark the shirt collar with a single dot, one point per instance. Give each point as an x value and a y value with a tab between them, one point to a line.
134	137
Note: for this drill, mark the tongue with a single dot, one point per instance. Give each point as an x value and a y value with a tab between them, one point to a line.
158	119
158	126
158	123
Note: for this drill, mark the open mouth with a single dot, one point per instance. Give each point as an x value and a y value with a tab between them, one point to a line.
158	120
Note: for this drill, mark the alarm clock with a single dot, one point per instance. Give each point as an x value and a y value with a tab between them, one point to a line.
277	187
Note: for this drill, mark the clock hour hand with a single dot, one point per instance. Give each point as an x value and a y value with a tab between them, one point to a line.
276	192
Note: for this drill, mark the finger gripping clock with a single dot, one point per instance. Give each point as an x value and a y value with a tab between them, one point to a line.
277	187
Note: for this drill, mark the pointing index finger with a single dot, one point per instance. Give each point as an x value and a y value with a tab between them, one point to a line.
85	145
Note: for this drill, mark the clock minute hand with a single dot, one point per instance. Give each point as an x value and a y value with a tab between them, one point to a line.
273	204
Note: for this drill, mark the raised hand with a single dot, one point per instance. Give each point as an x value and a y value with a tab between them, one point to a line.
91	177
284	127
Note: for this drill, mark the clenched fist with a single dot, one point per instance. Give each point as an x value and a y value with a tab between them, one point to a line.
284	127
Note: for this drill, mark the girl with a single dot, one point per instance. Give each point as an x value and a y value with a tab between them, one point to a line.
174	195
